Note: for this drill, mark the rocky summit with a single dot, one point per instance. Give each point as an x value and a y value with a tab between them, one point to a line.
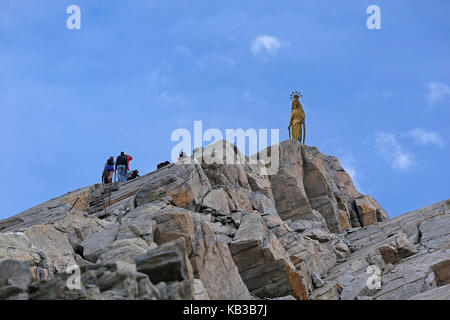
200	229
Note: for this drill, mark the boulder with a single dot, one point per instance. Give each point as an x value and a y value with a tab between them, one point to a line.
53	243
138	223
441	293
329	189
224	165
210	258
218	200
320	192
264	265
236	217
287	185
95	244
185	183
172	224
223	232
183	290
318	256
214	265
97	282
263	204
258	180
78	226
369	211
305	225
388	268
411	276
389	254
15	277
240	199
200	293
357	288
124	252
404	247
137	229
317	234
16	246
166	263
342	250
329	291
318	282
435	232
395	241
442	272
48	211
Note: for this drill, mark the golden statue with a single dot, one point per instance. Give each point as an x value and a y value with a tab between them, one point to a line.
297	120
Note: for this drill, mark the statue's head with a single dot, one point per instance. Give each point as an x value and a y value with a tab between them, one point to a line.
295	95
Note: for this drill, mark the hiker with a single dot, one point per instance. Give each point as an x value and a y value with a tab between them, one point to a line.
162	164
133	175
129	158
181	156
121	167
108	170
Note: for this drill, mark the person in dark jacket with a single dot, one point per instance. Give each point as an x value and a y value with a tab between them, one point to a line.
162	165
133	175
108	170
121	167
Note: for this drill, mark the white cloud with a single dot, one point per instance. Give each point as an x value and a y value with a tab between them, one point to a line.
437	92
424	137
266	43
390	149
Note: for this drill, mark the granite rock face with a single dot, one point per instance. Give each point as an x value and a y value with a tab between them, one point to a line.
411	253
263	263
168	262
216	225
308	180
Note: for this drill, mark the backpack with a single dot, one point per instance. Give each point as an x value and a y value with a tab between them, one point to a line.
163	164
133	175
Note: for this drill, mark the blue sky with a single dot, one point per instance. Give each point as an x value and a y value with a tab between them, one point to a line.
379	100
